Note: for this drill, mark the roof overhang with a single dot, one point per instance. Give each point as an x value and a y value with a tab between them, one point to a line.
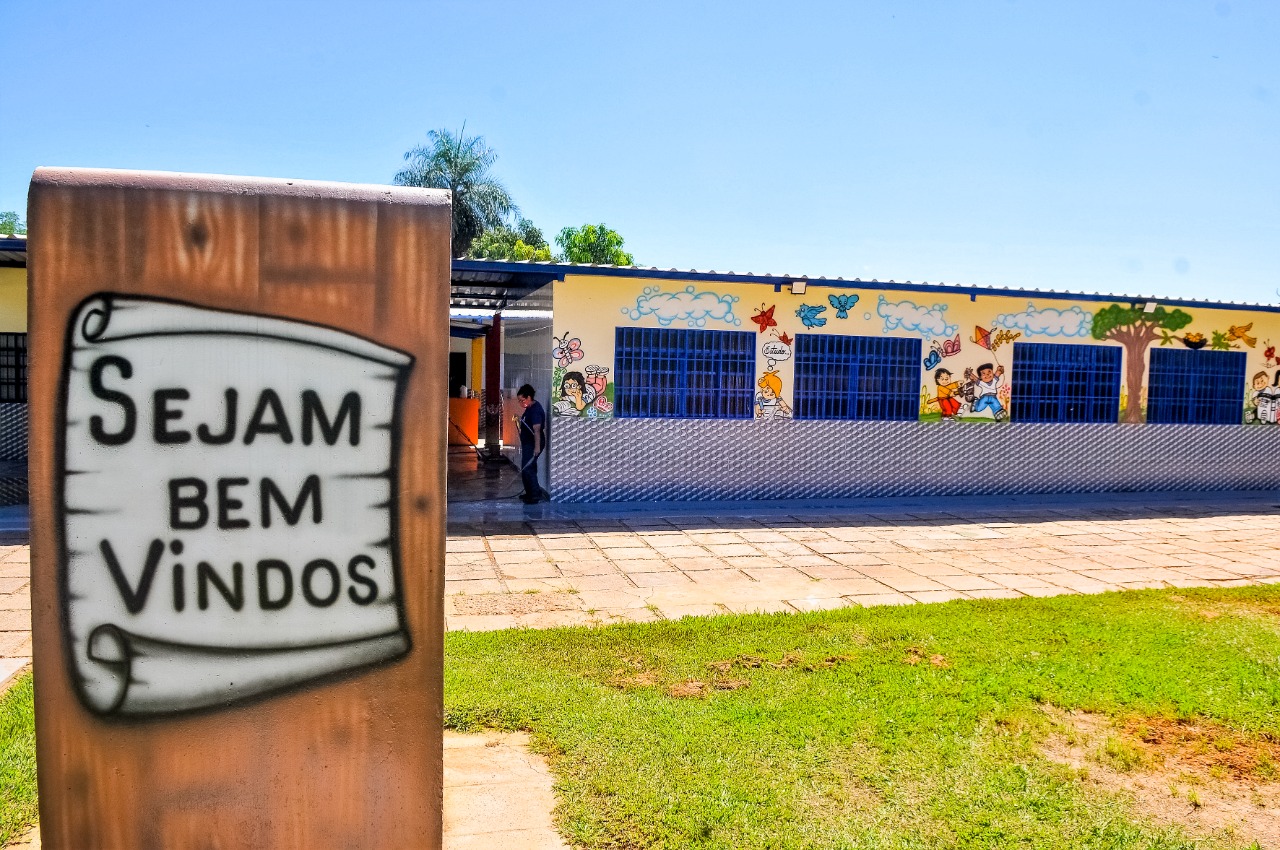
13	252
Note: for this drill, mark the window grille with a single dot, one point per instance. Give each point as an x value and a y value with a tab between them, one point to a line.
856	377
13	367
683	374
1053	382
1195	387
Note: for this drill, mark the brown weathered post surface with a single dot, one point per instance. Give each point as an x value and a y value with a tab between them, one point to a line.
191	462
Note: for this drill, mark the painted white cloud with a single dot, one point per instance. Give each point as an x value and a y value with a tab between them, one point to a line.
909	316
687	305
1048	322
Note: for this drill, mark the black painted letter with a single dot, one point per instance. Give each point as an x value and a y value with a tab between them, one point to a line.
205	576
125	434
178	502
229	432
134	600
312	409
264	592
292	513
226	504
279	423
161	414
335	583
371	593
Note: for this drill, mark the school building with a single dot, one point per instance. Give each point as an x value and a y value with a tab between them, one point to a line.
696	385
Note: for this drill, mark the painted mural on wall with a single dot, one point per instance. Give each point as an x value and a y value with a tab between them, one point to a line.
690	305
967	340
1135	328
769	402
578	391
246	541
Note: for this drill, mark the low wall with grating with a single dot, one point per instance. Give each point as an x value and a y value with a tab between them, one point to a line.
660	460
13	454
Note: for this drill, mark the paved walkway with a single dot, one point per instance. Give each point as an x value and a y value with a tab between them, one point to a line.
563	565
496	794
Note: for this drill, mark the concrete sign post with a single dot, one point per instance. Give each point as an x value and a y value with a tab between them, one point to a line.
238	432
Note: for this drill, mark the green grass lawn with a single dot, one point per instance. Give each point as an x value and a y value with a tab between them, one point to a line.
880	728
17	760
839	740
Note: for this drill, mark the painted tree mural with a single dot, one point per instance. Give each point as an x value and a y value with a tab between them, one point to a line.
1135	329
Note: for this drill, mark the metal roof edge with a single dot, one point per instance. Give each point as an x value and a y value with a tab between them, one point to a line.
558	271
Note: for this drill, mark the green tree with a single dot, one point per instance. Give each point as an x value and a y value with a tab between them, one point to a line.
593	243
461	164
11	224
1135	329
522	242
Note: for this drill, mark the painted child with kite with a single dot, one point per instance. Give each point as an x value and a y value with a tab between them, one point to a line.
986	389
948	391
983	388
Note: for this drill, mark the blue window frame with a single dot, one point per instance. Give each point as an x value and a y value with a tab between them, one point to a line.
1054	382
1196	387
683	374
856	377
13	367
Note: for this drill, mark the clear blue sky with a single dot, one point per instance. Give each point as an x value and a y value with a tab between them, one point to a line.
1087	145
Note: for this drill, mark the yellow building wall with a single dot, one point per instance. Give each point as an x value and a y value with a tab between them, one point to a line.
959	331
13	300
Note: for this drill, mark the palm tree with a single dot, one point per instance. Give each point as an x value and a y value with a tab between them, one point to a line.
460	163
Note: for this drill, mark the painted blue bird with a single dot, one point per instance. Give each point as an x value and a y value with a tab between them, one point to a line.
808	314
843	304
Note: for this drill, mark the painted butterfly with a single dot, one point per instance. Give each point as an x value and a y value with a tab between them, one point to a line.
764	318
566	350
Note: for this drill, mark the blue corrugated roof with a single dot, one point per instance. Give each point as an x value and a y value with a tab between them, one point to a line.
546	271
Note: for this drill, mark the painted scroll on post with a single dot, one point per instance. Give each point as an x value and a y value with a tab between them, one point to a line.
228	505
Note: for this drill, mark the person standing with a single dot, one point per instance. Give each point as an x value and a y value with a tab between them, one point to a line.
533	440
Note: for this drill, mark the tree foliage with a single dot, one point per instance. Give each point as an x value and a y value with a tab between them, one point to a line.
461	164
11	224
1118	321
1135	329
593	243
522	242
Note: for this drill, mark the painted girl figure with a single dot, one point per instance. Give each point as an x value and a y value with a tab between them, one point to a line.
769	403
573	395
597	383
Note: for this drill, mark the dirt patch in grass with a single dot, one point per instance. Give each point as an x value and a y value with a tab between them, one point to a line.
1211	781
688	689
627	681
513	603
915	655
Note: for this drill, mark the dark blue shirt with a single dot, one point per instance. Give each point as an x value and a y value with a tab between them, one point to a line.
533	415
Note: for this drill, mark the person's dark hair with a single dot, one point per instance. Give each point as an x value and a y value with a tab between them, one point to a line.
986	366
526	391
1276	383
575	376
937	376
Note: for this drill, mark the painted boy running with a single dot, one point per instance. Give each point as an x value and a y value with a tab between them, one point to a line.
986	388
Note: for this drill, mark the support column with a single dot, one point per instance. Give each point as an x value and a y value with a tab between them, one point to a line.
493	390
476	379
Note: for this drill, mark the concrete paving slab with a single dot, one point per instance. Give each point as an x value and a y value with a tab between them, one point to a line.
861	552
